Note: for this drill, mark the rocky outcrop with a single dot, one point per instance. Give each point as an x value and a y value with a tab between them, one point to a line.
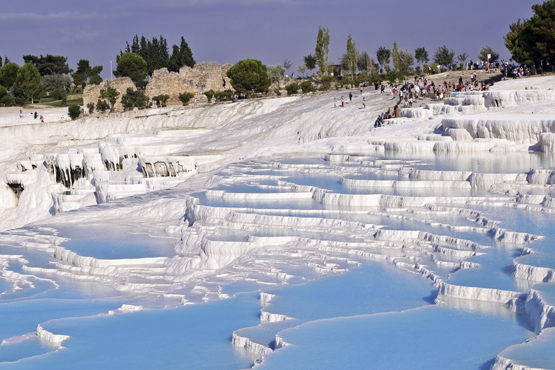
197	80
92	92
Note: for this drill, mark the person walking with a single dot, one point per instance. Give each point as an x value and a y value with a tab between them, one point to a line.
361	90
350	96
20	113
41	119
335	102
363	102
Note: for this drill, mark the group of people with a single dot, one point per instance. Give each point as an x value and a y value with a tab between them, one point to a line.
380	121
342	103
36	115
510	70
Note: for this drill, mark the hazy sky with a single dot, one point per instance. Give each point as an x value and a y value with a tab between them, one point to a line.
270	30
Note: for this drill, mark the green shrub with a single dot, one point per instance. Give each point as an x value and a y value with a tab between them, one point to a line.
292	89
57	94
3	91
19	101
64	100
224	95
141	84
307	87
325	83
277	92
533	70
209	95
8	100
91	108
184	98
161	100
133	99
425	69
418	71
73	111
101	105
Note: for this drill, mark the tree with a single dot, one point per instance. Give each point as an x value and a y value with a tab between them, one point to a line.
287	64
131	65
421	55
462	58
73	111
8	74
512	42
111	95
485	51
352	55
321	51
95	80
185	97
301	69
444	56
395	57
55	82
84	72
49	64
365	62
383	54
181	56
406	60
133	99
249	75
27	82
310	62
539	32
276	73
6	60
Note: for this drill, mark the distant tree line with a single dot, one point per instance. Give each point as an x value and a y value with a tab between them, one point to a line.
155	53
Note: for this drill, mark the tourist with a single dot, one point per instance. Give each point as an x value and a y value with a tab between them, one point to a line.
363	102
335	102
350	96
36	115
361	90
41	119
20	113
342	102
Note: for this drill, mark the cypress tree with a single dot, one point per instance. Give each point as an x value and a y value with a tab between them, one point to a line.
135	48
174	60
186	55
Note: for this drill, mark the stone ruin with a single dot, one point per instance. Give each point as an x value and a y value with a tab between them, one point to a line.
202	77
91	94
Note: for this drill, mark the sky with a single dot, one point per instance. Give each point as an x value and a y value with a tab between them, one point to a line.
269	30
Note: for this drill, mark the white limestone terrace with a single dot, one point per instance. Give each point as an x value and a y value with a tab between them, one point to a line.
284	191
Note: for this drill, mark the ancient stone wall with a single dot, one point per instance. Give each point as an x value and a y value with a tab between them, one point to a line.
92	92
197	80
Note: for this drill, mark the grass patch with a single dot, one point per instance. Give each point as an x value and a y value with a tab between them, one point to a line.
58	103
